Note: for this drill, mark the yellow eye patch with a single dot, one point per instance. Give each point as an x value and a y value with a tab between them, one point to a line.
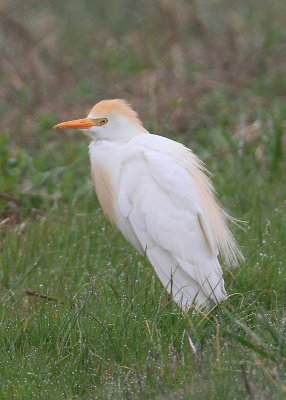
102	121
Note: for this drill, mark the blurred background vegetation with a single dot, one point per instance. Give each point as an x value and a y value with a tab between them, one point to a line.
178	62
209	73
188	67
194	70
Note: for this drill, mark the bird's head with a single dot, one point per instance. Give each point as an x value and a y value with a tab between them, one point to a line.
113	120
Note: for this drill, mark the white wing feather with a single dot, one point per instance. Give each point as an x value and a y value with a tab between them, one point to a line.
163	204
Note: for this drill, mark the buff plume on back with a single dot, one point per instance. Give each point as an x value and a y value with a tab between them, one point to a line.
218	217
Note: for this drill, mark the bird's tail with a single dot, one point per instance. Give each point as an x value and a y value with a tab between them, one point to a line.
185	282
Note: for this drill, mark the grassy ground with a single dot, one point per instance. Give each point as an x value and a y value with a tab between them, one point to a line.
82	314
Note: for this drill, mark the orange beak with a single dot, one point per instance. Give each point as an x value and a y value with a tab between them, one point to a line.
83	123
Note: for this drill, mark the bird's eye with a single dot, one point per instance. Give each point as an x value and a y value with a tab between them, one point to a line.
103	121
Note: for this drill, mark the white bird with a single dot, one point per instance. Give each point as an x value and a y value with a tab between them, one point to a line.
157	192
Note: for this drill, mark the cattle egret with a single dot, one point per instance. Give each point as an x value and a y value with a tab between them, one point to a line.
157	192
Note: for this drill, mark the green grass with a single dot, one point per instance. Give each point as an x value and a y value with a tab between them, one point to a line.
82	315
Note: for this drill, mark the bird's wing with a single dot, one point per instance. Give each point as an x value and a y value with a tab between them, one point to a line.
158	198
